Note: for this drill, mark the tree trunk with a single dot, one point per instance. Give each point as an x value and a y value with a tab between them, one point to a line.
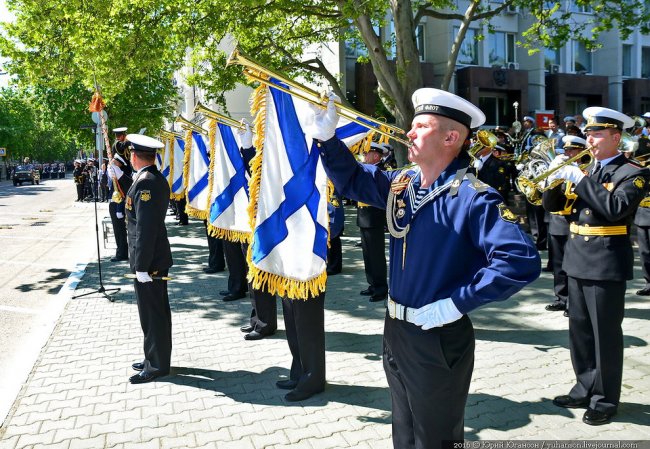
458	41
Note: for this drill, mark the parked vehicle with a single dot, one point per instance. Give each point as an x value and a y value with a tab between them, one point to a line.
26	173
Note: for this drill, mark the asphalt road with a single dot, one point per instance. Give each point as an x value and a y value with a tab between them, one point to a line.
46	240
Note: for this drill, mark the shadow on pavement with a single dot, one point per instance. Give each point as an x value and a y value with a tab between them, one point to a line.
51	284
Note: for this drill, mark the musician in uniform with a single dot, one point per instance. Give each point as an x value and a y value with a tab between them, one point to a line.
642	222
146	206
454	246
119	174
372	223
336	216
558	231
77	175
493	171
598	260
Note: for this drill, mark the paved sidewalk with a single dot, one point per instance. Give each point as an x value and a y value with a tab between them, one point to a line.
222	392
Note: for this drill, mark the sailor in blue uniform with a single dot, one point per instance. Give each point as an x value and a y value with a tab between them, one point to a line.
454	246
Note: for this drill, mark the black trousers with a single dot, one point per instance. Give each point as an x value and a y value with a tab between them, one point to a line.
373	246
80	192
304	321
180	211
216	260
428	374
596	340
538	228
119	230
556	244
335	256
643	239
237	268
156	322
264	314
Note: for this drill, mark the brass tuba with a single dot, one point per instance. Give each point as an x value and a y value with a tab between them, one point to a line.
536	170
483	139
257	72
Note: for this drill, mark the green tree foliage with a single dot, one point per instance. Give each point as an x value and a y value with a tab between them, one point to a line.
59	43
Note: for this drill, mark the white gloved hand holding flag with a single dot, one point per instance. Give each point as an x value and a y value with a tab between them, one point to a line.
325	120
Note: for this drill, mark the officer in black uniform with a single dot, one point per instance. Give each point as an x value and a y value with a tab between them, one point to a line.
146	206
336	214
119	175
494	172
598	260
642	222
372	223
558	231
77	175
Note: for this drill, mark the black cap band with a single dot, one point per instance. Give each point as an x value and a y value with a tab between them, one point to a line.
601	122
445	111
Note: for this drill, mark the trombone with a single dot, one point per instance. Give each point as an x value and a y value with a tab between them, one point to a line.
201	108
186	124
261	74
483	139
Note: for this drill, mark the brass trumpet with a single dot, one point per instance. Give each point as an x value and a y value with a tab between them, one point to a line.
261	74
201	108
186	124
529	182
483	139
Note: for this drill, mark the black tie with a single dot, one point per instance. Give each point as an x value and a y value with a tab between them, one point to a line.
596	174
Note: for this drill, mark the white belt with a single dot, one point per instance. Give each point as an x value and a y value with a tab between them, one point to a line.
400	312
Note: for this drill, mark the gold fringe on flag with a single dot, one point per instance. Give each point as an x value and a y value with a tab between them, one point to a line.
190	210
229	234
260	279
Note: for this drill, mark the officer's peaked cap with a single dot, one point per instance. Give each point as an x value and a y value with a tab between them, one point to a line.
574	142
599	118
144	144
121	130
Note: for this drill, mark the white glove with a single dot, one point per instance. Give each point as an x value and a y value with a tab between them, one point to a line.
143	276
568	173
325	120
110	172
520	166
119	214
117	171
477	164
246	136
436	314
559	160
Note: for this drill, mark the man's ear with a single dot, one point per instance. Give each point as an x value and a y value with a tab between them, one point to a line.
452	137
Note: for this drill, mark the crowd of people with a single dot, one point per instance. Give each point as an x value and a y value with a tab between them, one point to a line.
449	203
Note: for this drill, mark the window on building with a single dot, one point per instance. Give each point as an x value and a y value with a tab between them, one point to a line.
468	54
645	62
581	58
494	107
574	6
419	40
627	60
551	57
501	48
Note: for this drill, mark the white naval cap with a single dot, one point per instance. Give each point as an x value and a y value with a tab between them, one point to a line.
646	115
439	102
569	118
120	130
529	118
382	148
119	158
144	143
601	118
574	142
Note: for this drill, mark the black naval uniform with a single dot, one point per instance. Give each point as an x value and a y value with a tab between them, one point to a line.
599	261
496	174
78	176
558	233
146	206
372	221
642	221
116	190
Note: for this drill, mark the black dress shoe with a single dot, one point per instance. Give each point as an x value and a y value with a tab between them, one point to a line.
567	401
118	259
138	366
547	269
145	376
367	292
224	292
233	296
212	270
555	306
247	328
377	298
596	417
254	335
286	384
297	395
566	313
333	272
644	291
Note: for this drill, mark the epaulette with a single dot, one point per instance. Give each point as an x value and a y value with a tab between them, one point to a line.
477	185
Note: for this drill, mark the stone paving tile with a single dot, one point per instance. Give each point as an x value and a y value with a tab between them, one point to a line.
222	390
